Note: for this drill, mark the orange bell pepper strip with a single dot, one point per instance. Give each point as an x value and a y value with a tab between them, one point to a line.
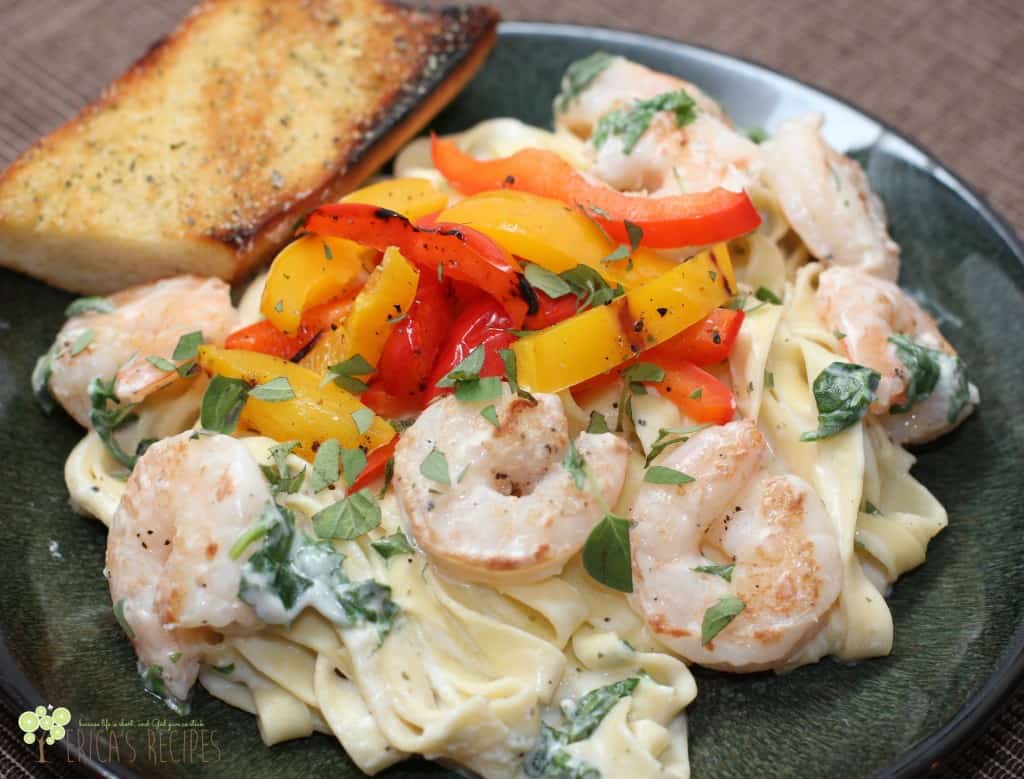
704	343
696	393
679	220
317	413
456	251
264	337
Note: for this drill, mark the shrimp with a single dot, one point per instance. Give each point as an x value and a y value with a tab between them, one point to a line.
772	528
147	321
827	200
703	154
512	512
171	577
868	311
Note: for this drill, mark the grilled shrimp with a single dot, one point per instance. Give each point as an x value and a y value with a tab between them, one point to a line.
868	311
773	529
827	200
147	321
512	512
171	576
701	155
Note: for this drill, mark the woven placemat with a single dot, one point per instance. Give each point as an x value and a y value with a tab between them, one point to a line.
948	73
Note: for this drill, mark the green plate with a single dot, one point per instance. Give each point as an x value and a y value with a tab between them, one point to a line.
959	638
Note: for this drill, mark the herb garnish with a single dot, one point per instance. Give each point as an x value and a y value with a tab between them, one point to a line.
633	122
346	374
83	305
660	474
598	423
719	616
670	436
579	75
353	463
465	378
392	545
490	414
606	554
325	466
843	392
922	366
280	478
222	404
106	421
435	467
725	571
765	295
276	390
81	342
349	518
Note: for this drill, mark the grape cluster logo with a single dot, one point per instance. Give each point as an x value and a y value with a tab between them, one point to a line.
49	721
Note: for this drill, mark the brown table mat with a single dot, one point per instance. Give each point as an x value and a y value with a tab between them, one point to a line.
949	73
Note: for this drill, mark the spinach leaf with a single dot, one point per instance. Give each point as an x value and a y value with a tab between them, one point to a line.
923	370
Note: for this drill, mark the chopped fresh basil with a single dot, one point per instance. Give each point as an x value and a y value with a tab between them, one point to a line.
670	436
725	571
119	616
278	475
575	465
174	657
41	373
598	423
718	616
606	553
345	374
769	380
276	390
188	346
435	467
83	305
640	372
843	392
363	418
106	421
635	233
478	390
630	124
550	759
590	288
222	404
871	508
327	251
697	394
81	342
490	414
467	369
765	295
621	252
551	284
353	463
839	335
161	364
389	474
325	466
508	359
349	518
923	370
392	545
225	669
579	75
659	474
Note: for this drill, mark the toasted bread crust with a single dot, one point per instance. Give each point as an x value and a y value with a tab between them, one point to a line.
205	152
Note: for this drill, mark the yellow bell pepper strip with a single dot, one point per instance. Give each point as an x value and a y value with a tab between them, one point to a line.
315	414
383	302
307	272
691	219
553	235
597	340
413	198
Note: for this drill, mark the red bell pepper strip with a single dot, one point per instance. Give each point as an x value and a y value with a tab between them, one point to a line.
550	311
403	371
263	337
680	220
376	463
483	323
697	393
705	343
463	253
